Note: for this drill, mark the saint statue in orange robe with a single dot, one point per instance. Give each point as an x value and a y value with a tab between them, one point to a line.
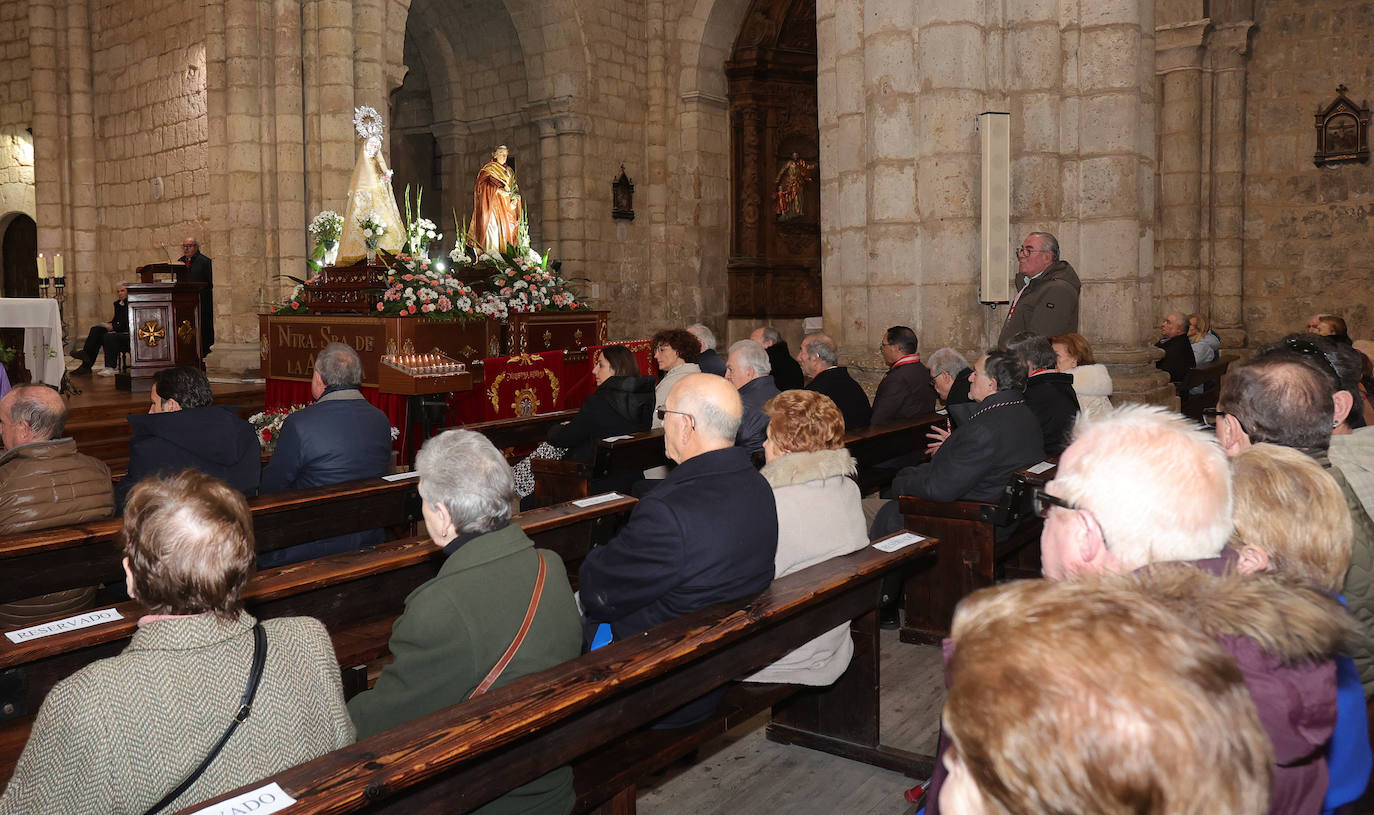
495	205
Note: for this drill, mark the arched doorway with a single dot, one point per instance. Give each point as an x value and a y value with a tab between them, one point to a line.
20	251
775	251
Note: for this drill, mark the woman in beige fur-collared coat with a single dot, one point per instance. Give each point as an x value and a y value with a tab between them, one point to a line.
819	517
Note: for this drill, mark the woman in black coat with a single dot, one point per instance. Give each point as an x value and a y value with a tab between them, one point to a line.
622	403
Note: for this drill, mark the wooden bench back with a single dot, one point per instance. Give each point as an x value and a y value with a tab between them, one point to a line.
461	757
87	554
556	481
1193	404
515	437
875	445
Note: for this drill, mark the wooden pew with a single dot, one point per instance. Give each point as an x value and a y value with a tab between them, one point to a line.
560	480
516	437
358	596
968	557
587	711
876	445
87	554
1192	406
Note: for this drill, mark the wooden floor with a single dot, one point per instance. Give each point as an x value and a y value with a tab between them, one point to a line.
744	773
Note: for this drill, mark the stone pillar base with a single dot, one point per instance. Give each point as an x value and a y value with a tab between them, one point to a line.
1136	380
235	360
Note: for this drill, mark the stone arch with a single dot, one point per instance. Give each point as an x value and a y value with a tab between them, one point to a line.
710	28
19	246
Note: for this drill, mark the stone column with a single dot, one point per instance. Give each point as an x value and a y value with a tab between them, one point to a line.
562	137
1183	270
1228	50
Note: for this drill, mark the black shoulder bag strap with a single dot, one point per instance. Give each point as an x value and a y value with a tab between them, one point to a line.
245	708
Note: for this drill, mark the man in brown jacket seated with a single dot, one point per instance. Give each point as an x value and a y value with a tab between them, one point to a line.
45	483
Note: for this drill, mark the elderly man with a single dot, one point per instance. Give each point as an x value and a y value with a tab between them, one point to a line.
113	337
1180	717
183	429
199	270
906	391
1049	391
787	374
748	369
1329	325
341	437
706	534
1178	351
45	482
818	358
449	642
997	435
1047	301
949	373
709	361
1290	399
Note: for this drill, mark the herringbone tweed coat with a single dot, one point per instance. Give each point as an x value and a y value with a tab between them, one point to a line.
117	735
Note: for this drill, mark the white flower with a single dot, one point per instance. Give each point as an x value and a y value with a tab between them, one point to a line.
367	233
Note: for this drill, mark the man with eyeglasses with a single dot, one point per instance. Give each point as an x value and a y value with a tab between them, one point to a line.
1120	503
1289	395
1047	301
198	270
706	534
906	391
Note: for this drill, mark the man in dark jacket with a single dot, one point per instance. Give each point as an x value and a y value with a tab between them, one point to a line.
818	358
183	429
748	370
997	435
906	392
456	626
787	374
1049	392
1178	351
707	534
199	269
112	336
709	361
1047	302
339	438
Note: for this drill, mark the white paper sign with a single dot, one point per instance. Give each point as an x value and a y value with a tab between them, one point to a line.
401	476
1040	468
617	438
86	620
261	801
896	542
597	499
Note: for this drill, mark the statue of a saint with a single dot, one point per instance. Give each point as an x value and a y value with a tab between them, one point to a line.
496	206
791	183
370	192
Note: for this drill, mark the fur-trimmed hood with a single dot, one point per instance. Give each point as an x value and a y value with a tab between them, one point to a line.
799	468
1291	621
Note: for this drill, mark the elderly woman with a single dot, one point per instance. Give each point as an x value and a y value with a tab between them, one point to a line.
1091	382
124	733
676	351
1291	519
819	516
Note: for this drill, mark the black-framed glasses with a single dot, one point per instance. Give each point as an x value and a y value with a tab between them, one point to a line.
1041	501
1210	418
663	414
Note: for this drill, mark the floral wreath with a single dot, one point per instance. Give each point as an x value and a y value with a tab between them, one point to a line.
368	122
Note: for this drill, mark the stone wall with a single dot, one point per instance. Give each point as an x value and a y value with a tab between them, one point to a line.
16	113
1308	246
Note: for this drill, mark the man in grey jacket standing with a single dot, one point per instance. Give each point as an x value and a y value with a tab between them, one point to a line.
1047	303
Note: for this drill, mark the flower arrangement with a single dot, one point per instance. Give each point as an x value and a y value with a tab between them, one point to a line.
530	286
420	231
326	229
373	230
295	304
268	425
416	286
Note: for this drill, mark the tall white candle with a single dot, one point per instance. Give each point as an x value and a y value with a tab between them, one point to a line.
57	271
42	267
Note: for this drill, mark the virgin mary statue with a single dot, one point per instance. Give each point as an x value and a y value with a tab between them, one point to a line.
495	206
370	193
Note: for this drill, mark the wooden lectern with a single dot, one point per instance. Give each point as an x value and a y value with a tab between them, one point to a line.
164	326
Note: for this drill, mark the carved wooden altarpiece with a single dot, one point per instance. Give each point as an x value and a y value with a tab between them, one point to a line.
775	260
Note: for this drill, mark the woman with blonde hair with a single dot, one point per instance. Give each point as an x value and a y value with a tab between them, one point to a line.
819	516
1091	382
1206	343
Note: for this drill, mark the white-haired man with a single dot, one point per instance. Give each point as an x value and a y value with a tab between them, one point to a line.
749	370
709	361
819	358
787	373
456	627
706	534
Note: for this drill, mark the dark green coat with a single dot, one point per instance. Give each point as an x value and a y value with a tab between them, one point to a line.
454	629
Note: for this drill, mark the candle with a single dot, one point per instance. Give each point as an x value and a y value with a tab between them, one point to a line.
42	267
57	271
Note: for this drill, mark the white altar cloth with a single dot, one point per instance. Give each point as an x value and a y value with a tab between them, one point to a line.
42	324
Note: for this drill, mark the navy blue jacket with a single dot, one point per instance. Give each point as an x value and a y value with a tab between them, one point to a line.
848	396
341	437
753	423
210	439
711	363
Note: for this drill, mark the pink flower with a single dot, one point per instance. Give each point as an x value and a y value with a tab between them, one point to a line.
411	308
294	304
380	307
445	304
408	277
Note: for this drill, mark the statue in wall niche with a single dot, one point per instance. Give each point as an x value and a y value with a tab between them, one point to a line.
370	194
497	210
792	180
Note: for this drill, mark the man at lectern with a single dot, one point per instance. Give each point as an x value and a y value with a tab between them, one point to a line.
198	271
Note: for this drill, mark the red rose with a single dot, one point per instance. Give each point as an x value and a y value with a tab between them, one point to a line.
380	307
411	309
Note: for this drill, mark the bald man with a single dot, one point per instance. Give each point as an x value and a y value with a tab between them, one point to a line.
1178	351
706	534
199	269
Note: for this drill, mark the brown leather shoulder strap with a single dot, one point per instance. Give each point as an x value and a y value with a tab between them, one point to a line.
514	646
